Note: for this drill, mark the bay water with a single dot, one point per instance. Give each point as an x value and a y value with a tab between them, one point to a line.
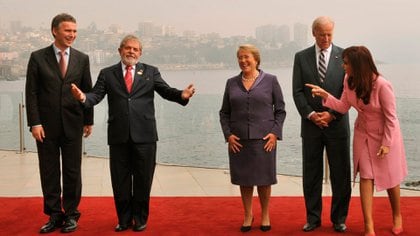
192	136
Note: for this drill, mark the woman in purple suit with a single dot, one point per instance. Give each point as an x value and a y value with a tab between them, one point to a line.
252	117
378	149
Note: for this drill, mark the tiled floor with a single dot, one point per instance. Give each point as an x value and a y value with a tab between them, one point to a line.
19	176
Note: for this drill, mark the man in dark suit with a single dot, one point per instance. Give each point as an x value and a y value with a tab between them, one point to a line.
58	121
322	128
130	87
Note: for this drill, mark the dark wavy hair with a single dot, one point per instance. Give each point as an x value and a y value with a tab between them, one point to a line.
364	72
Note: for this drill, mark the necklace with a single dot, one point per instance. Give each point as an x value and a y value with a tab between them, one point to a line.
250	79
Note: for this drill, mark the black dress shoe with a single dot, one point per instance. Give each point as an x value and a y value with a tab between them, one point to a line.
121	227
50	226
309	226
70	225
340	227
139	227
265	228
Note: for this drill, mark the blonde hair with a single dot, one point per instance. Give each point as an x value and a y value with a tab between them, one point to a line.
253	50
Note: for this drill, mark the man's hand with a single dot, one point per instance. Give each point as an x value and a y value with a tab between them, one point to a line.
87	130
38	133
188	92
77	93
317	118
322	119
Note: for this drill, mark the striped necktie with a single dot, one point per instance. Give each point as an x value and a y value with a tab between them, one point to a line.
322	66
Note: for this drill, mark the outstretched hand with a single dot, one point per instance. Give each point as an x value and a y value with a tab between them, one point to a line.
188	92
77	93
317	91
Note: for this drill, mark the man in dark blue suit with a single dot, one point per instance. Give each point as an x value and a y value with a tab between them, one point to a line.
321	128
57	121
130	87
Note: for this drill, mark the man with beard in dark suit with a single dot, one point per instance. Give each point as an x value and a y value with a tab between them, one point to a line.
130	87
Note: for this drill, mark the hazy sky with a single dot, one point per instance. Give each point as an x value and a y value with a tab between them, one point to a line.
388	27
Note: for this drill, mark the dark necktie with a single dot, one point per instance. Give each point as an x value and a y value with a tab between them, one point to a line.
62	63
322	66
128	78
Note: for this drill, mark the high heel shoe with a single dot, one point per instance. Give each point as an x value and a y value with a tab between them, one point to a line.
248	227
265	228
397	231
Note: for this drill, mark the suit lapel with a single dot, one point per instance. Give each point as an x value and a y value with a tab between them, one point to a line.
51	60
119	75
311	59
72	63
138	76
335	59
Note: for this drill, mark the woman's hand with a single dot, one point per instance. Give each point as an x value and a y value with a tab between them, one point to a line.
383	150
234	145
317	91
271	142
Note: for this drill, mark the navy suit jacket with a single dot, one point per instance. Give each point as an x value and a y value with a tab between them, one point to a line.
49	101
305	71
132	114
255	113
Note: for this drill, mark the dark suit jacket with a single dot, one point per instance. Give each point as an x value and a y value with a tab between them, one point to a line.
48	96
253	114
305	71
132	114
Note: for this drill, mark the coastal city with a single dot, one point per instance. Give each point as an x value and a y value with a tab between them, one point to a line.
162	46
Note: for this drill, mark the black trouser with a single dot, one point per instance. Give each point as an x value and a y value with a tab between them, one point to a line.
339	165
132	167
49	166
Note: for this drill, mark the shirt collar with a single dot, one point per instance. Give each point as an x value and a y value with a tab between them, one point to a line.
133	67
57	50
318	49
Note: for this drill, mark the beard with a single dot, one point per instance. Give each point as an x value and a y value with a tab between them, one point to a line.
129	60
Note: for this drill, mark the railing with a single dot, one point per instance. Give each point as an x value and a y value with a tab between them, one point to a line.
191	136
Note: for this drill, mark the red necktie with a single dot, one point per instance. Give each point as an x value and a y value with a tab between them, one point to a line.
62	63
128	78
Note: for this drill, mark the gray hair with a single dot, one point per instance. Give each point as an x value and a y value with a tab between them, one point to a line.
322	20
130	37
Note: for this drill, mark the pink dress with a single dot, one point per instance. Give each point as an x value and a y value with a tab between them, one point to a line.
376	124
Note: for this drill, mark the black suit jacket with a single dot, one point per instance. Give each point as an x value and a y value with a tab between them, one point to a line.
305	71
132	114
49	101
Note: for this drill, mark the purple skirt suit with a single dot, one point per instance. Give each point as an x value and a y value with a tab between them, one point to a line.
251	115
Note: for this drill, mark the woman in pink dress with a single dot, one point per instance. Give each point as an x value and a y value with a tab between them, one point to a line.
378	149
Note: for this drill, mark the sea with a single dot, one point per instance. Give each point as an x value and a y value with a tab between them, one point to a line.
192	136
